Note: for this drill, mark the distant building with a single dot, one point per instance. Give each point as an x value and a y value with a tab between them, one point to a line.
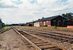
59	21
29	24
69	23
51	21
37	24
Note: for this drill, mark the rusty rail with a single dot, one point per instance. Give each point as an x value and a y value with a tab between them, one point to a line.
37	45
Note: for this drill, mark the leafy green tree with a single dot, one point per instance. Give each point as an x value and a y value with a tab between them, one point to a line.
68	16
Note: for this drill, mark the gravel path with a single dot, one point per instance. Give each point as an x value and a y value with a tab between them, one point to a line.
11	41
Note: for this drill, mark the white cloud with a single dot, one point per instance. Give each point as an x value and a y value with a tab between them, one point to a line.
16	11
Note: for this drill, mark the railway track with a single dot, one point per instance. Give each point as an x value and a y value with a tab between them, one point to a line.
36	43
57	36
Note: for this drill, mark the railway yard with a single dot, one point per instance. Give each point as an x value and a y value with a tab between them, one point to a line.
32	38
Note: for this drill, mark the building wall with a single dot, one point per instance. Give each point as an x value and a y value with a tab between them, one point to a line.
69	26
45	23
37	24
70	23
42	24
59	21
48	23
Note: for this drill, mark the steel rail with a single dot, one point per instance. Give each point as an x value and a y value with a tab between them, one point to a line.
36	47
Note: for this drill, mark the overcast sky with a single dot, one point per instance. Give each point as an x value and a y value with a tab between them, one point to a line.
22	11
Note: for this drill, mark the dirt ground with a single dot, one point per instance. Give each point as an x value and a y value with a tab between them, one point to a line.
64	45
11	41
47	29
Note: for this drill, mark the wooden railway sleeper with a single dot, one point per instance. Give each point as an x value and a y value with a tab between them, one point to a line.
57	38
36	47
51	48
44	48
58	35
